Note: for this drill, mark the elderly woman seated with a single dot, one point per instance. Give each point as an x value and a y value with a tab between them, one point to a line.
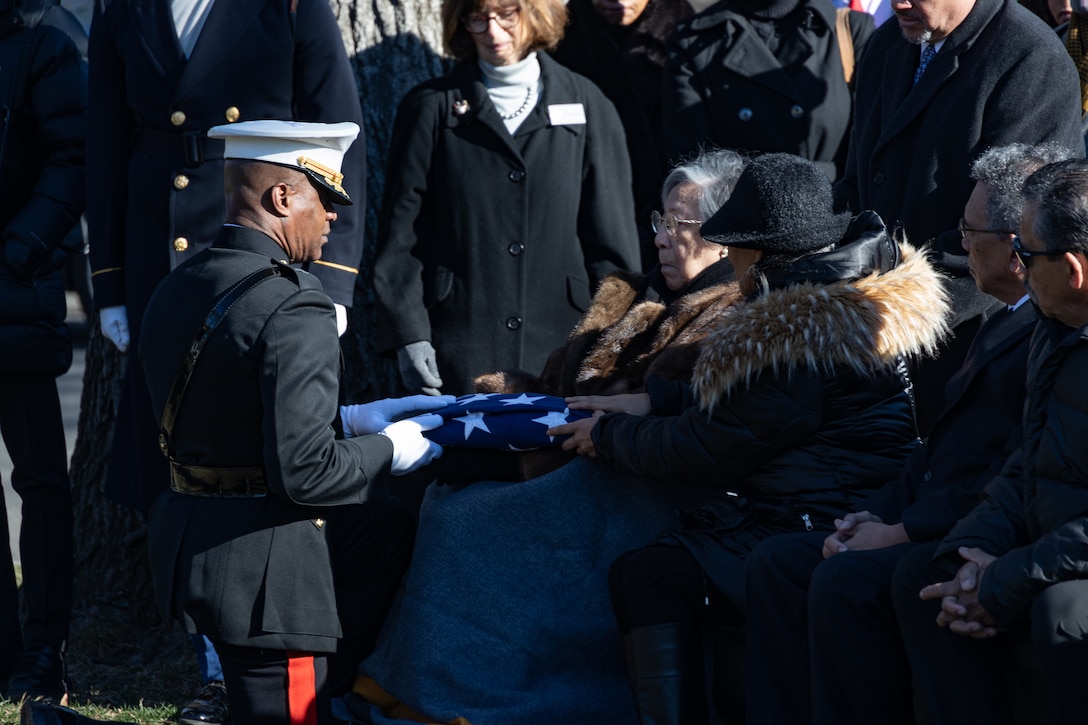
504	616
799	405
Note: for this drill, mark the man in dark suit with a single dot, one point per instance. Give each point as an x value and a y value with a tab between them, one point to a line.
161	75
805	592
276	539
917	128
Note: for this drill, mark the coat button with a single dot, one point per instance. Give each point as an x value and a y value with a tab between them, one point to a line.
181	244
797	111
233	114
516	175
177	118
181	181
928	476
745	114
513	323
515	248
878	177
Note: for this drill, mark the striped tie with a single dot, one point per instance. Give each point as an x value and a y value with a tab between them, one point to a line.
927	55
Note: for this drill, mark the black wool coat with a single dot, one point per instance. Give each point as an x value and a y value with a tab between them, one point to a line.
1001	77
724	87
254	572
490	246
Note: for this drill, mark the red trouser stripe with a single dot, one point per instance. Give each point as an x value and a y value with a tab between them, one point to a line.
301	689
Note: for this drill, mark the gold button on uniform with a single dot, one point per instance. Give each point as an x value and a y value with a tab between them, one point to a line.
181	244
233	114
181	181
177	118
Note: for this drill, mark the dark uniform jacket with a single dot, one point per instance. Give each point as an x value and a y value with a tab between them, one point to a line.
1034	515
43	97
800	405
254	571
912	147
490	246
155	191
979	428
724	86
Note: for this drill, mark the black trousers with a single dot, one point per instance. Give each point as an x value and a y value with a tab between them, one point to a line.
960	679
370	546
665	585
33	431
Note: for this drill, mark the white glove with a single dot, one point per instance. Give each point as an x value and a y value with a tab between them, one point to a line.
341	319
418	367
368	418
114	324
410	449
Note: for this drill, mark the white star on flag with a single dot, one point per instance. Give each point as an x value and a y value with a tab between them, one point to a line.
522	399
553	419
465	400
473	421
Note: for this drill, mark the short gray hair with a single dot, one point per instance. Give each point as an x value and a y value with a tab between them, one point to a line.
1004	169
715	173
1060	192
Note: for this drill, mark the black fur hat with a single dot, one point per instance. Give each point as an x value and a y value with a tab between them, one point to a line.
782	205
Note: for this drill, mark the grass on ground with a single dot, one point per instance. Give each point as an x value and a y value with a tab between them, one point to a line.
120	672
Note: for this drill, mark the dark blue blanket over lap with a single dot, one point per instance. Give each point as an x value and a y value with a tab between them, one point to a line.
505	616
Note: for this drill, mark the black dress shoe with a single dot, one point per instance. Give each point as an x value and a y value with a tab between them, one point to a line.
209	707
39	674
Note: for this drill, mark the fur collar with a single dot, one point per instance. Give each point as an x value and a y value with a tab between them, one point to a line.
867	325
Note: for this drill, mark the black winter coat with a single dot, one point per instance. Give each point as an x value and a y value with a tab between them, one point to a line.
724	87
1034	515
254	572
490	246
43	99
799	404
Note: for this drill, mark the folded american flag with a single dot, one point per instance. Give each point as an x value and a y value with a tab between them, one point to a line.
503	421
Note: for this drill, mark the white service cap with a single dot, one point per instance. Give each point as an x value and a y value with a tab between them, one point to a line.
314	148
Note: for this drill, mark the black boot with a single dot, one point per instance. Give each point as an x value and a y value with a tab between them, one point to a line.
665	664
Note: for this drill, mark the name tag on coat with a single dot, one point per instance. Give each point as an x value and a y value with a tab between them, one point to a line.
566	114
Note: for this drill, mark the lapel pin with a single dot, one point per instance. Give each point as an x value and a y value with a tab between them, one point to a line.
460	108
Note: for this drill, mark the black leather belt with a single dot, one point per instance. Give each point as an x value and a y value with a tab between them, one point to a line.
192	147
219	482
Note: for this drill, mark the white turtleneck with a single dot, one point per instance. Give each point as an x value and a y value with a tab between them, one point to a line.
514	89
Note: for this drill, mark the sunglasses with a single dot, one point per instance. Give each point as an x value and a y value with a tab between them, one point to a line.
1027	255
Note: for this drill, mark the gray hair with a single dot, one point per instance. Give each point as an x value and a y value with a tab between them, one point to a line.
1004	169
715	173
1060	192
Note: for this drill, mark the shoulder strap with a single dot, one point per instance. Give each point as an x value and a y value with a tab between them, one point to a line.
222	306
846	43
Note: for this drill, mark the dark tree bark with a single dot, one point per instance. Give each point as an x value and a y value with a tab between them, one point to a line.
393	45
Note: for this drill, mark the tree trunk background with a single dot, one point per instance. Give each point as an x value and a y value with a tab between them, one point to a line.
392	45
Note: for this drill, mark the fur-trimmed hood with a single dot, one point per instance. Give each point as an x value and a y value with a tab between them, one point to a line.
867	324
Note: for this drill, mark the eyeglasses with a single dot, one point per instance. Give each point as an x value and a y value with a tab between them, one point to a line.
1027	255
478	23
670	222
964	230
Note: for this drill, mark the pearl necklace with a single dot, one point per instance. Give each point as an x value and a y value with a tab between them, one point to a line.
521	109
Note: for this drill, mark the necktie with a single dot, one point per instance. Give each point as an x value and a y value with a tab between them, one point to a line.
928	51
